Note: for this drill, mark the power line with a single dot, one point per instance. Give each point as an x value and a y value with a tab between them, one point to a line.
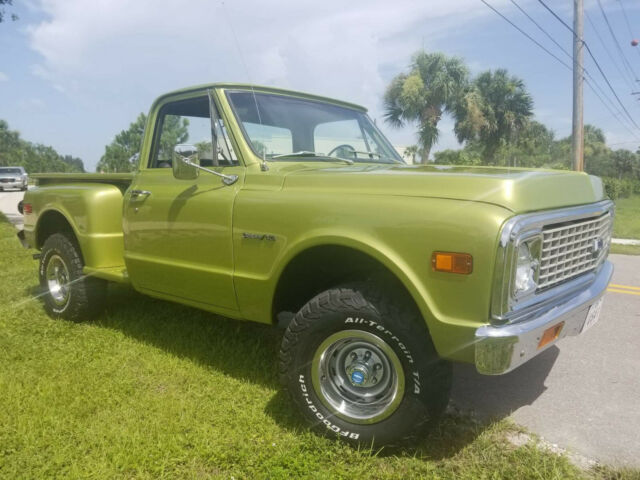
617	43
626	19
584	70
586	45
615	115
527	35
613	59
549	36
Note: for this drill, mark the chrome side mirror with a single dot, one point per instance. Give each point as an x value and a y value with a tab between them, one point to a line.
185	162
186	165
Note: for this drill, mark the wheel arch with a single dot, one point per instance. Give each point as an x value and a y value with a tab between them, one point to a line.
342	260
53	221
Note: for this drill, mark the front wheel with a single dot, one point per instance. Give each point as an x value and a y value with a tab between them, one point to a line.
68	292
361	365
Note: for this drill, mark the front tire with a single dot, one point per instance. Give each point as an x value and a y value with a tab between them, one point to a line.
68	293
360	364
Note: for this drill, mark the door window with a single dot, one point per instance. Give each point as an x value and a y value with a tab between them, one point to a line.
189	122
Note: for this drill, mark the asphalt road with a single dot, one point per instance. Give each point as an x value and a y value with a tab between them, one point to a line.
583	394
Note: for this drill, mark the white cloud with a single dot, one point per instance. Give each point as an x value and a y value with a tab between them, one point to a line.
3	77
336	48
115	56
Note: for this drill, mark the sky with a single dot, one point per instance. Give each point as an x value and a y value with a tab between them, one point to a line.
75	73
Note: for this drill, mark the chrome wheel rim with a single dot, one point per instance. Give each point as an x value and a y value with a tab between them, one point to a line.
358	376
57	276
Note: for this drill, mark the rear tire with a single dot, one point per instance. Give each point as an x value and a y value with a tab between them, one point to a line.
68	293
359	364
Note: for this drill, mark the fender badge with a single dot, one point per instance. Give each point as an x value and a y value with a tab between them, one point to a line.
259	236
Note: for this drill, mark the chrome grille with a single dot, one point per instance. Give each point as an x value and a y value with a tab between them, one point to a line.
571	249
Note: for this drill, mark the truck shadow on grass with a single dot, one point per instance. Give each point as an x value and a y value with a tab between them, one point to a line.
249	352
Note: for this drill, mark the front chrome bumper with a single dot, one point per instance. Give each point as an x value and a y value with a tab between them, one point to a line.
501	348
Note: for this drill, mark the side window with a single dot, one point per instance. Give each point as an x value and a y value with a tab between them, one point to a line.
327	137
189	121
268	139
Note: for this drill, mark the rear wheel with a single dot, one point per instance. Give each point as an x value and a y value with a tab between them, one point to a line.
361	365
68	293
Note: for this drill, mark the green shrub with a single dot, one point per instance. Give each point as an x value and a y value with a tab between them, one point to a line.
612	187
626	188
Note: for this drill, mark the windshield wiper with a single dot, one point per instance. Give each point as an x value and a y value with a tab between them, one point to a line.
314	155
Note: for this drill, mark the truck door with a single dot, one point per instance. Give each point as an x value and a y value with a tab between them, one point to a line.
178	241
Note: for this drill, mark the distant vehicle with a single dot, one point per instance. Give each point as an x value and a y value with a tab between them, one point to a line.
13	177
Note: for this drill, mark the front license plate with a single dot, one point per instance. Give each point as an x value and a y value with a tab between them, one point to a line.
593	316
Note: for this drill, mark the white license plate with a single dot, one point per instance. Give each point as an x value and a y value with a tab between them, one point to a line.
593	316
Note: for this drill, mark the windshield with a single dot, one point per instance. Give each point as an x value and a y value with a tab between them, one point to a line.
280	127
11	170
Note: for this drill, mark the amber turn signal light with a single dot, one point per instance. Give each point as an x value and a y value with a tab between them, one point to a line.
550	334
452	262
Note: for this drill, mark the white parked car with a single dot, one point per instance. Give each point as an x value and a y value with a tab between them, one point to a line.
13	177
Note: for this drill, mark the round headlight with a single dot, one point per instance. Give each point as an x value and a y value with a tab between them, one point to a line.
526	266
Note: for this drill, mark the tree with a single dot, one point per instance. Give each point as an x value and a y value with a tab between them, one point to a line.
493	112
74	162
467	156
623	162
34	157
122	148
410	153
3	12
432	87
532	147
127	143
597	156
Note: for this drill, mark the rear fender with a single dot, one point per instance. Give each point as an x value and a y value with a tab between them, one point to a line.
92	211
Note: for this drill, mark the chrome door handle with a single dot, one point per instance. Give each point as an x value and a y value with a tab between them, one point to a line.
140	193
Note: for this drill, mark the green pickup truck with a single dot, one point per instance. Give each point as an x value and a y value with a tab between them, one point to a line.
291	209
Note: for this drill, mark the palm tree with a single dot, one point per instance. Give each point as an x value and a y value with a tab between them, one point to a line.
493	111
410	152
430	88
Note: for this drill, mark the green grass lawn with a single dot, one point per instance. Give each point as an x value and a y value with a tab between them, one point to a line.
156	390
627	222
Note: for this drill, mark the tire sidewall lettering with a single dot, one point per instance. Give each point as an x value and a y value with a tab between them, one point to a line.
331	426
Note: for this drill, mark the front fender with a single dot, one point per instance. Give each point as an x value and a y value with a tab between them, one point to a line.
400	233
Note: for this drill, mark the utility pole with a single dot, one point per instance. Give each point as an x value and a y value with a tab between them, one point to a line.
578	98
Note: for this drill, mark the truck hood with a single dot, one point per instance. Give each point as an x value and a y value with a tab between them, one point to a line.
519	190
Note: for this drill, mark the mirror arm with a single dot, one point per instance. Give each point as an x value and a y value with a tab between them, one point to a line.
226	179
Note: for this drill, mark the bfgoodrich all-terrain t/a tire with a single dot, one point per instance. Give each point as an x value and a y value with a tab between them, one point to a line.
359	364
68	293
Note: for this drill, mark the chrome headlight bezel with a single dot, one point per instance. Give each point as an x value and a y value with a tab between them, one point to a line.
507	307
531	244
